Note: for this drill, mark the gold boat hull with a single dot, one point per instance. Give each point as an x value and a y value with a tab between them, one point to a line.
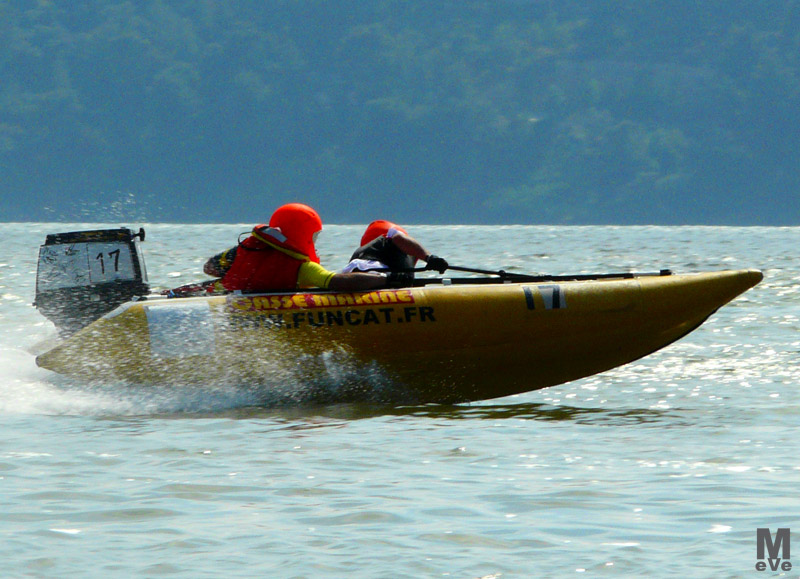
426	344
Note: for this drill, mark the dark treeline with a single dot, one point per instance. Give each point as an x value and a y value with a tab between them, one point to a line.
539	111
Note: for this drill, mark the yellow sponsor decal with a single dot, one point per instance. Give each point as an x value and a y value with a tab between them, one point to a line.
307	301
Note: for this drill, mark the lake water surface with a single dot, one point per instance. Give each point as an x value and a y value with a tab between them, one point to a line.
663	468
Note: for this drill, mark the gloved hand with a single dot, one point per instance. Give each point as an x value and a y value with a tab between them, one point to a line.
436	263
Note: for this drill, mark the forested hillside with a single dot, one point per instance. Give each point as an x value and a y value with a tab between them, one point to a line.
466	111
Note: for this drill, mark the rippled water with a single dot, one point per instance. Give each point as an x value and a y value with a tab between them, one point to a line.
665	467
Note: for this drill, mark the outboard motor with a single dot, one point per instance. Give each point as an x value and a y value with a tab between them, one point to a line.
84	274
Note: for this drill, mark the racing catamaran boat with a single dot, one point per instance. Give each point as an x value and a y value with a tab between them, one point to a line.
442	340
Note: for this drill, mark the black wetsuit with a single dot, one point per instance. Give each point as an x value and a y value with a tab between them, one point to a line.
384	250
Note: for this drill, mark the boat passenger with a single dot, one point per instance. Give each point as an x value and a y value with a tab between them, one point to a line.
282	256
387	246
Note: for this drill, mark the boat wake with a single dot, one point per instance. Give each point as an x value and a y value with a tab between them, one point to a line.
331	378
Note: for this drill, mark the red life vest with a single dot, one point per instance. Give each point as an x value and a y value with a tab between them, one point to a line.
265	261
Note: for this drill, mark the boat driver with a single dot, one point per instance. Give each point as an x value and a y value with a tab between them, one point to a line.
387	246
282	256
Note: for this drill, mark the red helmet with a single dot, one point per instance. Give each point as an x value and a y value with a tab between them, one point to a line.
378	228
299	223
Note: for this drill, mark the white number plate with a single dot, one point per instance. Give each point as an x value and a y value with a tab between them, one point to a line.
83	264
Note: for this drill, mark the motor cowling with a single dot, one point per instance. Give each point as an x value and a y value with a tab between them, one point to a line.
82	275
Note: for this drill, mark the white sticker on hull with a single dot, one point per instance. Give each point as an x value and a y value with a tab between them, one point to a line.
552	296
179	331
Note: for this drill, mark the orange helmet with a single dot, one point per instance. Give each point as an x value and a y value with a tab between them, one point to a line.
378	228
299	223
